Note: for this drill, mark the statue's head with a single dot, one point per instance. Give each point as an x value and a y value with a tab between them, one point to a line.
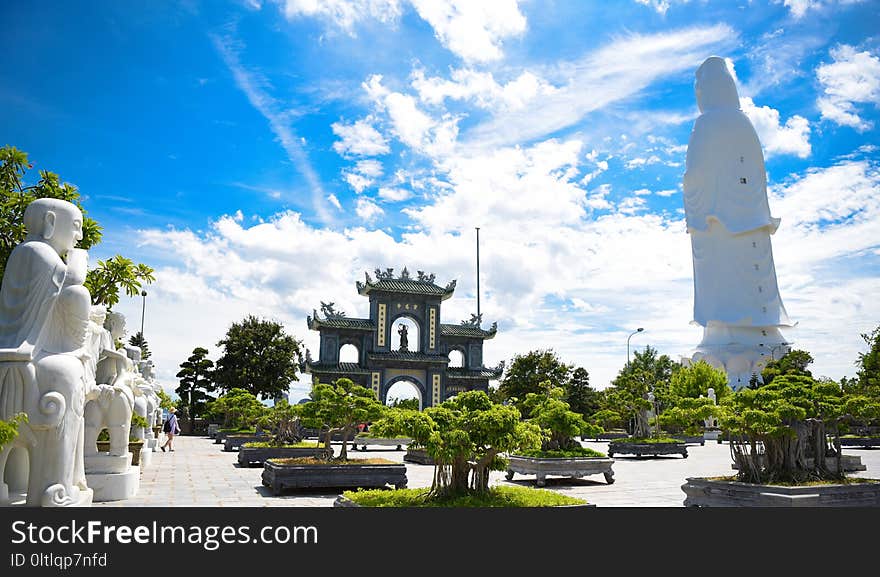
115	323
98	314
714	85
57	222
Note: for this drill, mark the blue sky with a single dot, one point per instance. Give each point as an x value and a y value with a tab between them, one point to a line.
262	155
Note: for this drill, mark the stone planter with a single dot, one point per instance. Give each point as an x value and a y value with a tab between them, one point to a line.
641	449
396	442
419	456
346	502
234	442
703	492
574	467
134	447
864	442
712	435
250	456
212	430
690	439
279	477
850	463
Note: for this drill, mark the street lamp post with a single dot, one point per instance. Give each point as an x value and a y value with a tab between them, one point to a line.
143	310
638	330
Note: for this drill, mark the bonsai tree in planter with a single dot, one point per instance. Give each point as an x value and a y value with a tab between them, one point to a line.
797	420
339	408
465	435
283	423
238	408
9	429
554	416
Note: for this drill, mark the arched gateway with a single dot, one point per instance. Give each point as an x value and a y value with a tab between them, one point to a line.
422	357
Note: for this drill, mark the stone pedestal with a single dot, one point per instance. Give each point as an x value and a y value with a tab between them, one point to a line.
146	458
711	435
112	478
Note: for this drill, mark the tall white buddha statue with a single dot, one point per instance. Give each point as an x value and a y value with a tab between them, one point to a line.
44	315
736	298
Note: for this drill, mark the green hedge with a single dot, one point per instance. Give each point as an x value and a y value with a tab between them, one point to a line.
496	497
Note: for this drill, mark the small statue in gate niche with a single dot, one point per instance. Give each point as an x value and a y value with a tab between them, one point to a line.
404	341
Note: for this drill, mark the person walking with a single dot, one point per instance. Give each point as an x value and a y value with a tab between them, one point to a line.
171	428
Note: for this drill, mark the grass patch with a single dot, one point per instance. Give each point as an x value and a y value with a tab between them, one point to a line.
651	440
369	436
314	461
497	497
242	430
568	454
267	445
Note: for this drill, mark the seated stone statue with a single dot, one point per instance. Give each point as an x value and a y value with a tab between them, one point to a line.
111	401
44	314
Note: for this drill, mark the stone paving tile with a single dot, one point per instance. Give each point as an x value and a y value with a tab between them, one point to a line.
199	473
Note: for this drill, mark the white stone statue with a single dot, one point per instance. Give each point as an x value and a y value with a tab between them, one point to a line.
736	298
711	423
111	402
44	314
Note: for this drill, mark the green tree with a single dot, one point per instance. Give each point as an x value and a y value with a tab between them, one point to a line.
258	356
794	362
339	408
195	383
868	375
238	408
465	435
694	381
110	275
527	372
15	196
139	341
553	415
165	401
411	404
688	415
581	397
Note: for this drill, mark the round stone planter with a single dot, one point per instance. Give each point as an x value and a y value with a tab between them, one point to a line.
251	456
397	442
278	476
575	467
703	492
134	447
864	442
641	449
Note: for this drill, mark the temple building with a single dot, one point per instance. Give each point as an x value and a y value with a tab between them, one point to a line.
421	352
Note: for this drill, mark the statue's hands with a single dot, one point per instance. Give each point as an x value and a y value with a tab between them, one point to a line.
77	266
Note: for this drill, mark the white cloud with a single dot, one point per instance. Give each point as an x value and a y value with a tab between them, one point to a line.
363	175
800	7
334	201
661	6
853	78
642	192
668	192
481	88
371	168
394	194
367	210
793	137
356	181
612	73
343	13
360	138
472	30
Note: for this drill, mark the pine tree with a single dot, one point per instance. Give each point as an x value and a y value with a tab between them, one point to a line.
139	341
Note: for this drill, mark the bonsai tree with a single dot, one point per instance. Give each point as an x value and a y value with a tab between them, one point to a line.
688	406
283	423
797	420
409	404
561	424
238	409
339	408
195	382
465	435
137	422
629	397
688	415
607	419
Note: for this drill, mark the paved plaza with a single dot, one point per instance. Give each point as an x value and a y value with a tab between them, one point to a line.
199	473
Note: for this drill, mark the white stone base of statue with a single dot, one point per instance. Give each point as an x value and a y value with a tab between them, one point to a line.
106	463
739	351
711	435
150	445
145	459
115	486
112	478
